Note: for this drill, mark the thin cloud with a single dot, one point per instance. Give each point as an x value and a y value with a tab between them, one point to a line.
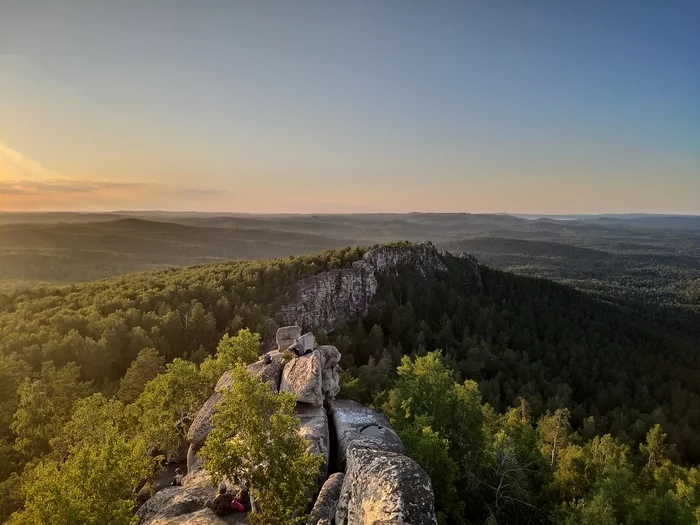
67	187
56	186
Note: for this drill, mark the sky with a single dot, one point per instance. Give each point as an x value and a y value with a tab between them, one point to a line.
334	106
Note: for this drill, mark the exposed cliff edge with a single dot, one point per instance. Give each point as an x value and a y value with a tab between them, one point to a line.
346	294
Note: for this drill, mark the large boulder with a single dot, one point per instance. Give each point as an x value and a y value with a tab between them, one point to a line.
201	426
286	336
353	421
330	355
303	344
327	501
384	487
314	428
175	501
302	376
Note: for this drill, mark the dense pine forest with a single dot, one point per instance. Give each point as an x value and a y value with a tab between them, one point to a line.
527	401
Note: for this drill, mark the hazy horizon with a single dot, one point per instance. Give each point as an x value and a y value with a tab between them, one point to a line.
361	107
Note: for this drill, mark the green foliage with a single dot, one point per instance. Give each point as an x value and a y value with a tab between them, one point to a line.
243	348
254	438
441	423
169	403
147	365
12	372
94	485
44	406
432	453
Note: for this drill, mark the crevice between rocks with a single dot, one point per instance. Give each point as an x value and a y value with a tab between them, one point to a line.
333	445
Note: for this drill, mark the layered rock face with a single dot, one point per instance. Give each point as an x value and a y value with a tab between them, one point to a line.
346	294
380	484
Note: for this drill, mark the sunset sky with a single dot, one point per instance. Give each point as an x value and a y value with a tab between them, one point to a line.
350	106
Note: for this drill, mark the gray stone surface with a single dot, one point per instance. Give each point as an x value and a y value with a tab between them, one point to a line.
330	355
201	517
327	500
286	336
302	377
174	501
201	426
351	418
384	487
314	428
304	344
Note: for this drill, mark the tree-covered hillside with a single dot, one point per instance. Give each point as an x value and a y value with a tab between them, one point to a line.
517	338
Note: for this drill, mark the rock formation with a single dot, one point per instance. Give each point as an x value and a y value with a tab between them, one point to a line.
327	500
314	428
286	336
353	421
380	484
383	486
346	294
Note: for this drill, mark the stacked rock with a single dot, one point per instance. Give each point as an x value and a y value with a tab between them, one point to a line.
372	481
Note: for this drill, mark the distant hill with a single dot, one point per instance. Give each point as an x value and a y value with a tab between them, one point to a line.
641	261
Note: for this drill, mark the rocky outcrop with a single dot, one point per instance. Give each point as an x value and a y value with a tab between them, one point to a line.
314	428
201	517
172	502
384	487
346	294
303	344
327	500
201	426
380	485
286	336
353	421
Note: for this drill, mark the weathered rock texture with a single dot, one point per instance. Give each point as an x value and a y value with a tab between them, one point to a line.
286	335
302	376
346	294
175	501
327	500
314	428
353	421
381	487
304	344
201	426
201	517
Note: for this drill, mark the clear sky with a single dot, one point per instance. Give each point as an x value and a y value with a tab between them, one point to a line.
538	106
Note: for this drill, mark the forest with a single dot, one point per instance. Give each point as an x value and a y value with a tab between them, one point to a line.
647	263
570	409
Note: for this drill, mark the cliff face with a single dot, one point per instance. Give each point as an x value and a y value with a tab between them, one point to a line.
344	295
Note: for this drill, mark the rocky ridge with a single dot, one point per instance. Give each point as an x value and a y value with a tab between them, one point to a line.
345	294
371	480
